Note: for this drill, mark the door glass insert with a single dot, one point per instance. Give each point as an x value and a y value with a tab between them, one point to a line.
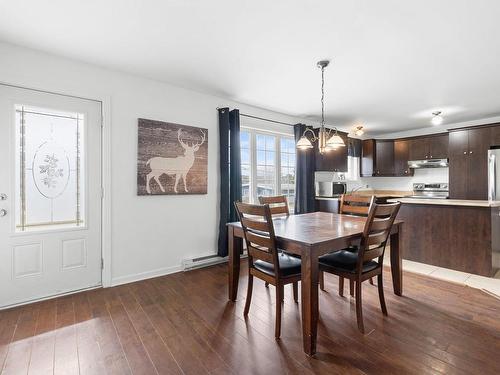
49	169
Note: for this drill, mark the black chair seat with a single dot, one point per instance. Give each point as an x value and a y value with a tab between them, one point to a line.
345	260
288	265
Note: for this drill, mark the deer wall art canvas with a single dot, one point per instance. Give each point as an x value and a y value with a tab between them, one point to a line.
172	158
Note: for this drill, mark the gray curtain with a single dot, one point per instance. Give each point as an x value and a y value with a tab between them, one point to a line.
230	172
304	176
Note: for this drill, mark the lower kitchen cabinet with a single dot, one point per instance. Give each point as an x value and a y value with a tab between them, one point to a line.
327	205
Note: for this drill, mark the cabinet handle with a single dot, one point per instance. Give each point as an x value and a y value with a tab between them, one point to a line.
465	152
426	157
470	152
431	156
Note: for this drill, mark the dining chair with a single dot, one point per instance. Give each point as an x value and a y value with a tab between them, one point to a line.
278	204
360	265
357	205
264	260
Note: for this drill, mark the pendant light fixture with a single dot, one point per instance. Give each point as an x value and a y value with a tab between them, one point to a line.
326	140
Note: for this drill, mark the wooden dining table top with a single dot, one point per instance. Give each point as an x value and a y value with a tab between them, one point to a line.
317	227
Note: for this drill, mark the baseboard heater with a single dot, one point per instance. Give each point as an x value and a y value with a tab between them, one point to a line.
205	261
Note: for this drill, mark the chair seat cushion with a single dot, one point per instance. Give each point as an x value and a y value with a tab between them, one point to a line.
288	265
345	260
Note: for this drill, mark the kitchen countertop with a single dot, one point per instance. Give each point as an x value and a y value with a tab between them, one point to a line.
376	193
449	202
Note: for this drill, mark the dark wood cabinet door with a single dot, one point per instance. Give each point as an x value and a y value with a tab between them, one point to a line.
458	176
479	140
477	155
384	157
458	143
495	135
438	147
401	157
333	160
368	158
477	177
338	157
419	149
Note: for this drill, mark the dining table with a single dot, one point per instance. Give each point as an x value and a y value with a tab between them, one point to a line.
310	236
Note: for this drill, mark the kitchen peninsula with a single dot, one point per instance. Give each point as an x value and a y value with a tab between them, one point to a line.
462	235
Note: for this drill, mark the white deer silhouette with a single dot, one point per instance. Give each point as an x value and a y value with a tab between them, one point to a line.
178	166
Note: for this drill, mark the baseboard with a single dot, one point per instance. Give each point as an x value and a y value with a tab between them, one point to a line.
145	275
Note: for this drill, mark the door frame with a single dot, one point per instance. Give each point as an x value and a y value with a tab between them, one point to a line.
105	101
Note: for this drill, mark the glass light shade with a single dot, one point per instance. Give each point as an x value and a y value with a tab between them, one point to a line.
359	131
437	119
335	141
304	143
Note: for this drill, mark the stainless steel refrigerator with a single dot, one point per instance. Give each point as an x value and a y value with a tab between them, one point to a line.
494	173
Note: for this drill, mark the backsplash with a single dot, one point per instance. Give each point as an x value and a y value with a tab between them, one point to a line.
388	183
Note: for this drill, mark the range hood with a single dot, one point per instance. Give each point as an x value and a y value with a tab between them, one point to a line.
428	163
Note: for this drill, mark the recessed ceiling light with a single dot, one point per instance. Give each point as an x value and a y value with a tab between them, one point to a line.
437	119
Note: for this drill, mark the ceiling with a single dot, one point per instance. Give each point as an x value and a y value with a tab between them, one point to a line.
393	62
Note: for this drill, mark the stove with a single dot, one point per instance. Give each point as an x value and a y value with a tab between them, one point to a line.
430	191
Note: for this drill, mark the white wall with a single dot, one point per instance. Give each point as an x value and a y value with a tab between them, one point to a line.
150	235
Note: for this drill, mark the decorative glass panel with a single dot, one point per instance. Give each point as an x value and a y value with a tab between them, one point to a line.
50	165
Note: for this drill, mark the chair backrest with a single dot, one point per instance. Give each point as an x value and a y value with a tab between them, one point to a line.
376	232
258	231
277	204
355	204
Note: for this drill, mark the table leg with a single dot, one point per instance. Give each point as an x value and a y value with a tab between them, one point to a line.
234	249
396	262
309	301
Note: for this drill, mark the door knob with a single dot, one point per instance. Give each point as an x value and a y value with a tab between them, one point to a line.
3	212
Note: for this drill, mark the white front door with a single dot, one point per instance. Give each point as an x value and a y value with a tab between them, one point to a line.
50	194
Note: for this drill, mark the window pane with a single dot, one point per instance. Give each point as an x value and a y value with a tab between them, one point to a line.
261	158
261	141
270	142
270	156
287	178
244	140
245	156
49	158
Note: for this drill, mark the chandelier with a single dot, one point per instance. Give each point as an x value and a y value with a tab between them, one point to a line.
327	139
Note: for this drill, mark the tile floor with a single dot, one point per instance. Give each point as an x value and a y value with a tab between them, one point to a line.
489	285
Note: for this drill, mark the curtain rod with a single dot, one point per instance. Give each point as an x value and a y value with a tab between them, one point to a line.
274	121
266	119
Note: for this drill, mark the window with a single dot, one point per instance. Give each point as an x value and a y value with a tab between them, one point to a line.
267	165
49	164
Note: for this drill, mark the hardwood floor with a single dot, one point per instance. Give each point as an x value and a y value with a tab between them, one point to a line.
183	324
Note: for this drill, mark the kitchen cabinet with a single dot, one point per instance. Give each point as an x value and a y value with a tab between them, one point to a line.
377	158
495	135
333	160
430	147
468	153
327	205
401	157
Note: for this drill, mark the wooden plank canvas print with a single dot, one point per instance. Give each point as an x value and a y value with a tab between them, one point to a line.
172	158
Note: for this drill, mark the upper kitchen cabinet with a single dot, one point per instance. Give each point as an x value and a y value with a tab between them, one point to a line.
468	151
429	147
495	135
333	160
401	157
377	158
